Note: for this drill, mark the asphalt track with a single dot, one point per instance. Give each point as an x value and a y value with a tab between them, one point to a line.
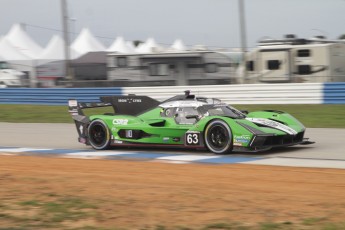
327	152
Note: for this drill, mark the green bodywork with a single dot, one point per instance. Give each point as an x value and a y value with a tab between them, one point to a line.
165	131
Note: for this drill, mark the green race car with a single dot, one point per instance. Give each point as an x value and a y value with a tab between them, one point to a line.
184	121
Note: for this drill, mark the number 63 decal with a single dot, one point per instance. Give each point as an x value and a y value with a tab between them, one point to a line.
192	138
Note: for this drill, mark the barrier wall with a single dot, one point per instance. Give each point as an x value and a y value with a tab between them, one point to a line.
301	93
334	93
53	96
242	94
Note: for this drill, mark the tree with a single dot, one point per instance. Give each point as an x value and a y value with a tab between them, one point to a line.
137	43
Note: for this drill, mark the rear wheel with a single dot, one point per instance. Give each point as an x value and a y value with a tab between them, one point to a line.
218	137
99	135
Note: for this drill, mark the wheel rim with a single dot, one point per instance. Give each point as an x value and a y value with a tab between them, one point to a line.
218	137
98	135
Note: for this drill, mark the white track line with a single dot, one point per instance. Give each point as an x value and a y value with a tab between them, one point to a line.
21	150
98	154
187	158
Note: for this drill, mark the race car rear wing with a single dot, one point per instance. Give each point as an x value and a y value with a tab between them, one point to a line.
125	105
81	121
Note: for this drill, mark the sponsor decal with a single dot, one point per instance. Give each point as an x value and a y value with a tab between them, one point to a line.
243	139
118	142
166	139
193	132
72	103
120	121
176	139
237	144
129	100
113	129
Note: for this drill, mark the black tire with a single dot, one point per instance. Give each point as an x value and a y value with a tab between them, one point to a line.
99	135
218	137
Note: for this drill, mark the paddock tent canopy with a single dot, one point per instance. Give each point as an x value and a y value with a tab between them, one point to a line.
55	50
86	42
150	46
23	42
12	55
120	46
178	45
51	64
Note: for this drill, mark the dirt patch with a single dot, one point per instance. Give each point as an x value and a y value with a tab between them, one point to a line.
71	193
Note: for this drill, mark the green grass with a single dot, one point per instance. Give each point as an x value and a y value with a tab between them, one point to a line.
41	113
58	214
313	116
47	214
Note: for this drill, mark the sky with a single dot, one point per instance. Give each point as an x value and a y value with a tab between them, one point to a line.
214	23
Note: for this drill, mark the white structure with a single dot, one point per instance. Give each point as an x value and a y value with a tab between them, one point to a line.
150	46
130	45
295	60
178	45
55	50
16	59
120	46
86	42
9	53
171	68
23	42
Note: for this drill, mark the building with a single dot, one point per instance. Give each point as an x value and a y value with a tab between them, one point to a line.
295	60
171	68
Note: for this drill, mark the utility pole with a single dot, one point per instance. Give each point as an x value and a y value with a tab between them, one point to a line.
243	36
64	13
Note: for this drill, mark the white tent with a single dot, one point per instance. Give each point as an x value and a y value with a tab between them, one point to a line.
23	42
149	46
55	50
130	45
178	45
9	53
12	55
120	46
86	42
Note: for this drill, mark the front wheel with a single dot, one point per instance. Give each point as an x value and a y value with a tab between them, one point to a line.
218	137
99	135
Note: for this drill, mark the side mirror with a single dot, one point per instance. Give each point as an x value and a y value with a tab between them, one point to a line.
244	112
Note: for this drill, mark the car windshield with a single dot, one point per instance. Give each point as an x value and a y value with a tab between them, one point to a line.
222	110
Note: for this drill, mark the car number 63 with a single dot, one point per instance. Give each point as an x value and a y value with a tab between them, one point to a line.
192	138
